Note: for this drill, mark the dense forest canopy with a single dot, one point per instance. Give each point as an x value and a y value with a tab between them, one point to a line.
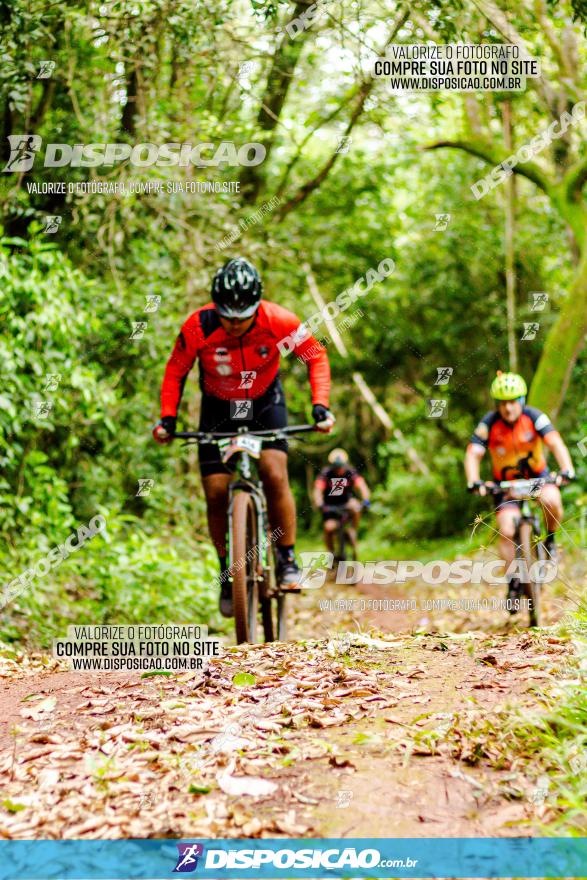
352	174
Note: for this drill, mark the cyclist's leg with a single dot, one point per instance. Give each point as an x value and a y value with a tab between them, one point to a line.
354	505
216	491
552	505
506	515
330	528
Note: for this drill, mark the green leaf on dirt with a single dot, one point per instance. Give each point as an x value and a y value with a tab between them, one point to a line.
30	697
12	807
199	789
242	679
156	672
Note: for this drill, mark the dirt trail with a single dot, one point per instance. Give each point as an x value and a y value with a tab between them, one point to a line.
343	735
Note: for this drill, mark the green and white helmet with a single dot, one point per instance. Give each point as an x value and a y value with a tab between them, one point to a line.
508	386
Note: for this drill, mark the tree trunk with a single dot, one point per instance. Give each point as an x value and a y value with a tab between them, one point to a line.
562	346
510	220
278	83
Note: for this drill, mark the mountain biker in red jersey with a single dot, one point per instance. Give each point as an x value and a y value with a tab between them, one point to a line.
235	339
515	435
333	489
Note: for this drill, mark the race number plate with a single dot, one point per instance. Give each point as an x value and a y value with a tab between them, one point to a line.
243	443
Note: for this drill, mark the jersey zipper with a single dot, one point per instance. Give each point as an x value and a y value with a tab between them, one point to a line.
243	363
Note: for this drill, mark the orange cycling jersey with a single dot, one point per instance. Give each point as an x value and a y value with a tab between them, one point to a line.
233	368
516	450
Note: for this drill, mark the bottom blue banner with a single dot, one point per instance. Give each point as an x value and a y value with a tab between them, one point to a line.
292	858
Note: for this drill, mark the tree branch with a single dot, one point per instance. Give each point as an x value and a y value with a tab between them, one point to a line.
575	179
363	92
490	155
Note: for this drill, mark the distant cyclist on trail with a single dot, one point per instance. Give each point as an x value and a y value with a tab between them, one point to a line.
334	488
235	340
515	435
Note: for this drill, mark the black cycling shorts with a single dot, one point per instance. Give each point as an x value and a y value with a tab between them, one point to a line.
267	411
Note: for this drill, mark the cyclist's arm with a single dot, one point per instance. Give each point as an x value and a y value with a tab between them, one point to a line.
318	493
559	449
473	457
362	487
178	366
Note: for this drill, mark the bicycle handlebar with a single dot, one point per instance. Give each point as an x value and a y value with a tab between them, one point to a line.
212	436
529	483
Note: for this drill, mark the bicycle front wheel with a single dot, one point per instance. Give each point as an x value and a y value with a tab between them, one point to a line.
532	551
244	559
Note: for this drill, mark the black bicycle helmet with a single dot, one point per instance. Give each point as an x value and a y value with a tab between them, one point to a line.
237	289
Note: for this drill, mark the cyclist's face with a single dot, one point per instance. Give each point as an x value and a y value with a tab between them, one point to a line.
510	410
236	326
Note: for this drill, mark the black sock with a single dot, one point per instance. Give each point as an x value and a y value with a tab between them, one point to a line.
285	551
223	565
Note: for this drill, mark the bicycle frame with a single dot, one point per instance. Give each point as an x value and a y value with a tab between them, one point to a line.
244	480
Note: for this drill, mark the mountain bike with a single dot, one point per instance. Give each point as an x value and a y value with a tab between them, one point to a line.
256	596
343	539
530	549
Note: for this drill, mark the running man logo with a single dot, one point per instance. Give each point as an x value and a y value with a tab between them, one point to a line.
530	331
442	221
22	151
444	374
436	409
42	407
187	860
338	485
343	798
247	378
145	487
52	381
46	69
153	302
344	144
52	223
539	301
241	409
138	329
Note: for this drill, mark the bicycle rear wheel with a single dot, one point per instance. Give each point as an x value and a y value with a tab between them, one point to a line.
532	551
244	559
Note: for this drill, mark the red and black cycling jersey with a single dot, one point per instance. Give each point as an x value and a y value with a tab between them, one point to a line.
233	368
516	450
337	485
